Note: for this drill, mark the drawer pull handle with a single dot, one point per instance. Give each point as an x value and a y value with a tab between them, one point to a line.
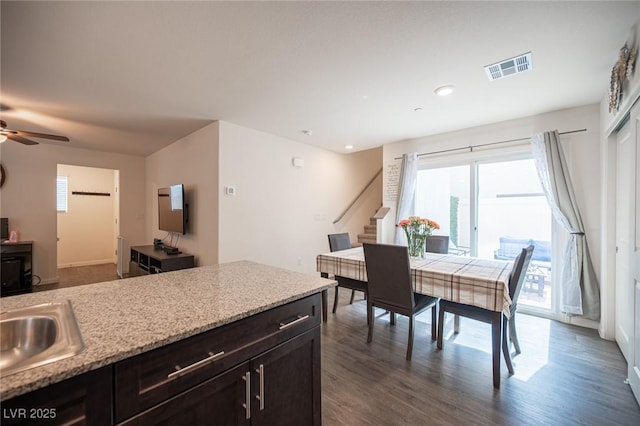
294	322
260	397
182	371
247	394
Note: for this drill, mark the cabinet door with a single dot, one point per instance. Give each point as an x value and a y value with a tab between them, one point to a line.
218	401
286	383
82	400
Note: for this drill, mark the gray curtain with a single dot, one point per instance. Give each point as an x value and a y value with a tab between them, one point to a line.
580	293
406	193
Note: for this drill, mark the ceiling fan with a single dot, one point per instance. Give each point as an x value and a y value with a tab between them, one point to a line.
18	135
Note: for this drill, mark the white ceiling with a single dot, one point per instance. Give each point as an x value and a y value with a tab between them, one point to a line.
132	77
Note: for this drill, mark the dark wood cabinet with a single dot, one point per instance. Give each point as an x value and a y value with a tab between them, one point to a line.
82	400
260	370
150	378
153	260
16	270
280	387
216	401
286	383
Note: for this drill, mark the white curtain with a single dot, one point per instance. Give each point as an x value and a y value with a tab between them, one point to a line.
580	294
406	193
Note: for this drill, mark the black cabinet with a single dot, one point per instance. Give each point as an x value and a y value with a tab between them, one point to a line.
218	400
280	387
16	269
260	370
154	260
285	383
265	369
82	400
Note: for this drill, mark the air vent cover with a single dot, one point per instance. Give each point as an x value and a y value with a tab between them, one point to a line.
508	67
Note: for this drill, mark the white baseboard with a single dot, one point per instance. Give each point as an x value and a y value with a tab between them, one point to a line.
53	280
87	263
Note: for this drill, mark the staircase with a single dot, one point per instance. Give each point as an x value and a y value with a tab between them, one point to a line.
370	233
371	230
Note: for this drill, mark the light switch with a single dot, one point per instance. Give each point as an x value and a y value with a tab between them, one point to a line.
230	190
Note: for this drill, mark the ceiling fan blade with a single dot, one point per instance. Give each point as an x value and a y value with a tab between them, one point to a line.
21	139
42	135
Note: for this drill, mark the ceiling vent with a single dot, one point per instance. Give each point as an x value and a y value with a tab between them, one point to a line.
509	67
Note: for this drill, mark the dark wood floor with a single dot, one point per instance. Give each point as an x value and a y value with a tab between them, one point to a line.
80	275
566	375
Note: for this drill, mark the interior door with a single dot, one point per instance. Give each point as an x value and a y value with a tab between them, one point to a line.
624	191
634	356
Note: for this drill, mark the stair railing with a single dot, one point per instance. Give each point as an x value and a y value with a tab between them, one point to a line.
357	197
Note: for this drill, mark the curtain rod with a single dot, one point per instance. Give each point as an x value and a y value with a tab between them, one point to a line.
470	147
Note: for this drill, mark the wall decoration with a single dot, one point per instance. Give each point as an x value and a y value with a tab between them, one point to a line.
621	71
391	182
101	194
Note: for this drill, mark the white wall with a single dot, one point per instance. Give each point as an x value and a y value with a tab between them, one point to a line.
192	161
28	197
87	215
581	149
281	214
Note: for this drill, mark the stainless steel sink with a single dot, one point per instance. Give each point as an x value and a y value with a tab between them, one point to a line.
37	335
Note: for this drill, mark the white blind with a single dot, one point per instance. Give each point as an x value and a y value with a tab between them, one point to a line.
61	193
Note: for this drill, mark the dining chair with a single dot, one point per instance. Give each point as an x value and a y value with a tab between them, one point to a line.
339	242
390	288
516	278
437	244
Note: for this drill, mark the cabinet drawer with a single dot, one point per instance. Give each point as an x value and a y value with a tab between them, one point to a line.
150	378
11	248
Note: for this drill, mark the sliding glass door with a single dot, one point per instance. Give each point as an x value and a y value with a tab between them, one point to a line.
512	213
492	209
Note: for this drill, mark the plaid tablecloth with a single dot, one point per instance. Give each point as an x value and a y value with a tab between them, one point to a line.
468	280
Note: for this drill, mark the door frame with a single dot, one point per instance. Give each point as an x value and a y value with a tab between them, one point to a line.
608	155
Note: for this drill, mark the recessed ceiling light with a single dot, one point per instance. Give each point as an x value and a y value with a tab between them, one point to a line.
308	132
444	90
348	147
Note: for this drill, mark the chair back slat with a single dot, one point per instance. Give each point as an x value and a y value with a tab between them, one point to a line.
437	244
339	242
389	276
519	273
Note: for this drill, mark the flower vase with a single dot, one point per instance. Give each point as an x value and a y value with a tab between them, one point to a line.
417	229
416	245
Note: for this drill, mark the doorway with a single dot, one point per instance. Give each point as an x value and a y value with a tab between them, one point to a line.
87	223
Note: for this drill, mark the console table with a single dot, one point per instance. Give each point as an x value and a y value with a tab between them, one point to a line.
153	260
17	261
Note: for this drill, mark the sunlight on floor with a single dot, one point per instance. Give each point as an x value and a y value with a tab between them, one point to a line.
533	335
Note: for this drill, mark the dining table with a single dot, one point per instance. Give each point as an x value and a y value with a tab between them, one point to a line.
462	279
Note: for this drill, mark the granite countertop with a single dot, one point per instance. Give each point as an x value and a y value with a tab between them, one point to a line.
122	318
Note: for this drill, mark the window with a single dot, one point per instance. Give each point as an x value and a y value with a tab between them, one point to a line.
61	194
443	196
492	206
513	213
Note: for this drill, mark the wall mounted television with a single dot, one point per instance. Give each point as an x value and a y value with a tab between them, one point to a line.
172	209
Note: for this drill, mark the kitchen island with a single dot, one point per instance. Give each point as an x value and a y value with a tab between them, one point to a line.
219	318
